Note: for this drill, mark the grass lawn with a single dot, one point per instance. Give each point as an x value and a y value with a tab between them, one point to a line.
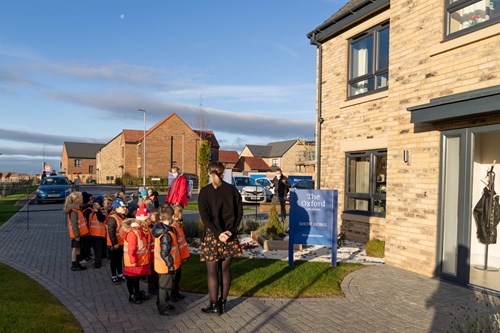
25	306
272	278
8	204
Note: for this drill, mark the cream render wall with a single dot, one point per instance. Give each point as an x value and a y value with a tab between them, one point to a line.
421	66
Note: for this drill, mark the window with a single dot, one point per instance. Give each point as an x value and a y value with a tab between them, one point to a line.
366	179
275	162
369	61
471	14
91	169
78	163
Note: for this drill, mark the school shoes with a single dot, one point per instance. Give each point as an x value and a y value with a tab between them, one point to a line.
222	306
179	296
78	267
143	296
134	299
169	311
116	280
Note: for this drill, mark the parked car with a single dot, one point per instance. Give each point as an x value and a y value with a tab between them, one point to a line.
53	188
266	184
249	190
91	181
306	184
194	178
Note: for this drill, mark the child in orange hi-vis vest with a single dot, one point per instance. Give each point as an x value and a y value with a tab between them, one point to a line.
183	250
167	259
153	278
77	226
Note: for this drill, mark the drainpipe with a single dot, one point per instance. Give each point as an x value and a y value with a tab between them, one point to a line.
319	119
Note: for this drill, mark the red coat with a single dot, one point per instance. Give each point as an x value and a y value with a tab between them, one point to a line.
132	243
177	193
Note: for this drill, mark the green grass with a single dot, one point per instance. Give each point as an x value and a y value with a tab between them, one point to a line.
192	205
25	306
8	204
272	278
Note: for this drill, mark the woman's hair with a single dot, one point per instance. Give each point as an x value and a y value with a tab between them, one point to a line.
177	212
216	171
73	201
166	213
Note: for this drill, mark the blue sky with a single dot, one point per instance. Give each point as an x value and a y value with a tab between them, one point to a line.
79	70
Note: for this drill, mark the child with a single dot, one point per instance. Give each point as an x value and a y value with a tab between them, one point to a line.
153	278
114	239
135	259
167	259
145	199
183	249
97	226
77	226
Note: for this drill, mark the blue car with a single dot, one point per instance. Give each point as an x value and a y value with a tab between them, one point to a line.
53	188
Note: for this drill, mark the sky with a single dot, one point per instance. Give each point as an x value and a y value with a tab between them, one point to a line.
79	70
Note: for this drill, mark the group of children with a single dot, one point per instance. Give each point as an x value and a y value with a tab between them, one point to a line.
140	239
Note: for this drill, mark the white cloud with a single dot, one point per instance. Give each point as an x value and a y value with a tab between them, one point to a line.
43	138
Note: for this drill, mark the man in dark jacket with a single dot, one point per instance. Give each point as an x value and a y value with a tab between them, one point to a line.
281	186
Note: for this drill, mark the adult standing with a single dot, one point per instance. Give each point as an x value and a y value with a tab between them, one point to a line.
221	211
281	186
177	192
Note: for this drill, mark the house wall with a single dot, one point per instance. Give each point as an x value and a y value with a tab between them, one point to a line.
246	152
71	171
421	67
296	154
109	159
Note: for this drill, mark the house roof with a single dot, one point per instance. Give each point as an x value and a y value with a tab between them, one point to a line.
251	163
209	136
82	150
351	13
272	149
228	156
132	135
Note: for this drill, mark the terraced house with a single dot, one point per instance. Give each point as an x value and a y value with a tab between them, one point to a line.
408	126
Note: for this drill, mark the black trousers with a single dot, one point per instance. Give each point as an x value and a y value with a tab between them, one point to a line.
116	262
283	207
177	281
99	245
85	247
153	281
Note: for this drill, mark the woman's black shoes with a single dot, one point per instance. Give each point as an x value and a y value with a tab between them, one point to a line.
211	308
222	306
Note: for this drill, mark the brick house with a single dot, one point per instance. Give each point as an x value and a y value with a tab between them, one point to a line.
228	158
251	163
169	142
292	156
78	159
408	118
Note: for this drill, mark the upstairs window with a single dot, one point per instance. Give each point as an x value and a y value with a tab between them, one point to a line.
78	163
369	61
470	15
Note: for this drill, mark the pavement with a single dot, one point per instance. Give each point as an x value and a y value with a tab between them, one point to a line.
378	298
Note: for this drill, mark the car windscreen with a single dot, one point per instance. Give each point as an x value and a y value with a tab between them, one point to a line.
243	181
54	181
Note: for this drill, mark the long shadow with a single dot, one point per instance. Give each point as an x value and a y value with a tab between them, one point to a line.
459	308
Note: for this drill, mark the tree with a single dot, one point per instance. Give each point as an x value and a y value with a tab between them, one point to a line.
203	163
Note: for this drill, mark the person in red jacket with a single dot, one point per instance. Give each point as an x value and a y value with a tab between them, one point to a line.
177	192
135	259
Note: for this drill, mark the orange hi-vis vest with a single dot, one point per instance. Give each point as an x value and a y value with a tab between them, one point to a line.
97	229
120	233
142	250
82	224
182	243
151	241
160	265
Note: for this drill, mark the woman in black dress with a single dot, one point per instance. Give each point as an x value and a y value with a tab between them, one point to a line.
221	211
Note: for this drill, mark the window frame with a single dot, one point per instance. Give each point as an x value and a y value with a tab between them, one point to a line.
91	169
451	7
372	195
77	163
374	32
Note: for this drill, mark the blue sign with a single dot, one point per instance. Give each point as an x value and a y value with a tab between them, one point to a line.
313	220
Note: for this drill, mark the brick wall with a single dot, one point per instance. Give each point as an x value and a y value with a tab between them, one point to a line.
109	159
421	67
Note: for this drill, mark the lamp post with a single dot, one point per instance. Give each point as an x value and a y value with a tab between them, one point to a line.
144	149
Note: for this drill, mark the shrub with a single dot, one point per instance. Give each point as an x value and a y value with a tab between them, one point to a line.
274	229
478	317
375	248
340	239
249	225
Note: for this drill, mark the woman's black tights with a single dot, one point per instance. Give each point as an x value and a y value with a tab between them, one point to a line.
213	269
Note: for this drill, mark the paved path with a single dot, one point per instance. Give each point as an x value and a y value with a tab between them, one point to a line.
378	298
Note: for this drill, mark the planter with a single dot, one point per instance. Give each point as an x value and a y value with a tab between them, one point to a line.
271	245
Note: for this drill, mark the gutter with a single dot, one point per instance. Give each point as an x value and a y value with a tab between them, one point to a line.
319	119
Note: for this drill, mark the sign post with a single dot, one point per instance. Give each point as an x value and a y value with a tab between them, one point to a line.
313	220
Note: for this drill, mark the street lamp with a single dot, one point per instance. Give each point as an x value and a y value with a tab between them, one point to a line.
144	149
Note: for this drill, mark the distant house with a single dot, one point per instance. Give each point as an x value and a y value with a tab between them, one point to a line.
228	158
13	177
292	156
170	142
78	159
250	163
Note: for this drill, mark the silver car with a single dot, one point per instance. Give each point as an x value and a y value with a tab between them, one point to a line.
249	190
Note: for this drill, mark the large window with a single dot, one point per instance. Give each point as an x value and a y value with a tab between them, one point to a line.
78	163
369	61
471	14
366	179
